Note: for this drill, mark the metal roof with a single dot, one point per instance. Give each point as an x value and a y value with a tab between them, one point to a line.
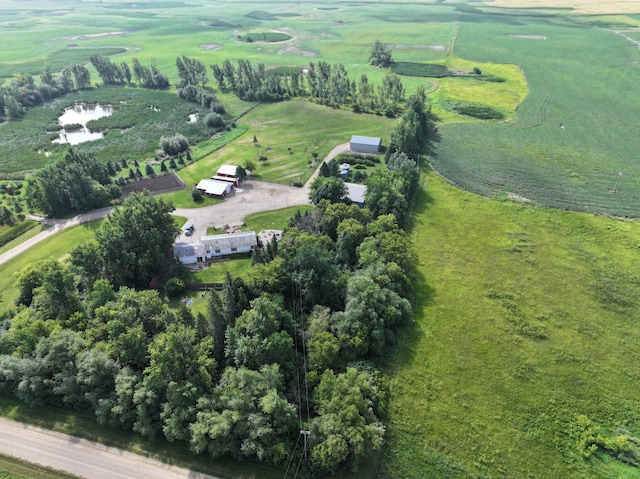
228	170
214	187
230	240
356	192
366	140
182	250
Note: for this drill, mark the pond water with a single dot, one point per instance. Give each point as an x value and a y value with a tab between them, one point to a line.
81	114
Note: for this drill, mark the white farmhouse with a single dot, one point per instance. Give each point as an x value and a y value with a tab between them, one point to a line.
210	247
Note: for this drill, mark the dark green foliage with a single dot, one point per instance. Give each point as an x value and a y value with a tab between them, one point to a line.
327	188
16	231
191	72
174	145
134	238
172	164
174	287
148	170
80	182
246	417
163	166
110	73
412	136
148	77
348	428
474	110
196	195
431	70
380	55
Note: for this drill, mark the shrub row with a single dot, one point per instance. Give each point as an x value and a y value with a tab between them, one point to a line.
15	231
474	110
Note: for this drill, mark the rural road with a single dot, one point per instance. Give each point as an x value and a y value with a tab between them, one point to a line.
81	457
251	197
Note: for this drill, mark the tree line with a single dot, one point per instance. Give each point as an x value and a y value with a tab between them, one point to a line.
292	346
322	83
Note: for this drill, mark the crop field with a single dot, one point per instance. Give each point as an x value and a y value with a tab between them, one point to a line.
573	143
526	318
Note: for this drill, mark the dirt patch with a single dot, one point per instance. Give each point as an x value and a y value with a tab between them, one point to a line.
157	185
529	37
210	46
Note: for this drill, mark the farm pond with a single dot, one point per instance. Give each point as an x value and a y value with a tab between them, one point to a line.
81	114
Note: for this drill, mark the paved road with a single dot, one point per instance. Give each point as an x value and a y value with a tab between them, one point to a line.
251	197
81	457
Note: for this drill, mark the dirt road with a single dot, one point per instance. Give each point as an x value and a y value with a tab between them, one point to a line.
83	458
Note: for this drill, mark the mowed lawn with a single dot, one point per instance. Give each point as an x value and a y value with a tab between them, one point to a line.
287	133
525	318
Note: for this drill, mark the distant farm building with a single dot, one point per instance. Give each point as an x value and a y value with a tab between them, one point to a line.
356	192
228	173
216	188
210	247
365	144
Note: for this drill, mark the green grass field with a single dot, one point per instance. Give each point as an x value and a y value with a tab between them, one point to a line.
13	468
525	318
53	248
304	127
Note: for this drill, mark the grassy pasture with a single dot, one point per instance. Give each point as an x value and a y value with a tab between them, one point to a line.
581	78
304	127
525	318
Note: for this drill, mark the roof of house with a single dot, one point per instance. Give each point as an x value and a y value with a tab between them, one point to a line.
228	170
356	192
207	244
213	187
182	250
230	240
366	140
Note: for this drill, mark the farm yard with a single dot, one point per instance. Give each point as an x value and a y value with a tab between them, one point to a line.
525	331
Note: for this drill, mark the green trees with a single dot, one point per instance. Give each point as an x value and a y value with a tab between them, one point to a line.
327	188
79	182
246	416
174	145
348	428
380	55
412	136
191	72
131	243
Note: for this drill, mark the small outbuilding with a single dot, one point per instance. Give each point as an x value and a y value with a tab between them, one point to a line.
228	173
365	144
345	168
216	188
210	247
356	193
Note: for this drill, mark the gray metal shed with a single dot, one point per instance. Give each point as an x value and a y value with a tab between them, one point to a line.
365	144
